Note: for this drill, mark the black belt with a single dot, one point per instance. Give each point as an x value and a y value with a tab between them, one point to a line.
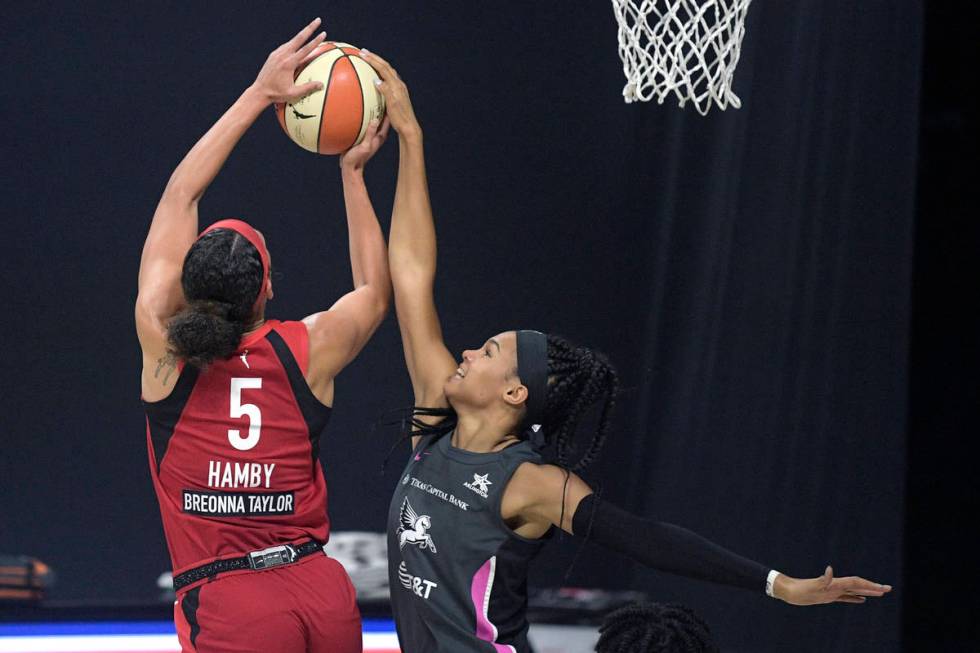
274	556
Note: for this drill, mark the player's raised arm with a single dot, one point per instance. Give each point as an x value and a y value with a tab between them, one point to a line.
175	223
337	335
412	248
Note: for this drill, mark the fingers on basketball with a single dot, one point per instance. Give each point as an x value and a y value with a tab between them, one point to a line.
304	90
393	90
385	70
338	120
383	132
304	52
303	35
380	133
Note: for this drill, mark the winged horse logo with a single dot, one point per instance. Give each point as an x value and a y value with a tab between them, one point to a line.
413	528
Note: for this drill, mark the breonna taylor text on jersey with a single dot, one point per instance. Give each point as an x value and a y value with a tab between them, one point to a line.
457	572
234	451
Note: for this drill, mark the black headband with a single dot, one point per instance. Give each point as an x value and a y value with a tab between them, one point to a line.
532	368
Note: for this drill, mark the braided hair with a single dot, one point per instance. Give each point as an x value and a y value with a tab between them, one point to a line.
221	278
577	378
654	628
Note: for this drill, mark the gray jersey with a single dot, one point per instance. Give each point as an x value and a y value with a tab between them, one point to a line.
458	574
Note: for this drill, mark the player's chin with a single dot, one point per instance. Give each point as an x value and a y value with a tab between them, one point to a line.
453	387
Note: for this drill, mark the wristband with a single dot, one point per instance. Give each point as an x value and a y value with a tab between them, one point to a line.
770	581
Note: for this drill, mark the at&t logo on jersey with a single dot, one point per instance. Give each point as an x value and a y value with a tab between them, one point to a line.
479	484
416	584
413	528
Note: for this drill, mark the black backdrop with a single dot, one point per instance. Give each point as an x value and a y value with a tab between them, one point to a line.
748	272
944	389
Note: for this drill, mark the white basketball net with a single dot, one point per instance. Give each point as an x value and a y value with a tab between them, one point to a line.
686	47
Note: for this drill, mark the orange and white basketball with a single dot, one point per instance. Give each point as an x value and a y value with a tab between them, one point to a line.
335	118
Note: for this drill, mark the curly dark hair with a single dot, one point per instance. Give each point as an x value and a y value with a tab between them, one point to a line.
222	278
578	377
654	628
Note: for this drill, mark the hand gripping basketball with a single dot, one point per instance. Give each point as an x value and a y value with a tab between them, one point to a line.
276	79
357	156
397	102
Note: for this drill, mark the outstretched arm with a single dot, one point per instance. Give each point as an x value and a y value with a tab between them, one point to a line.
547	495
175	226
337	335
412	249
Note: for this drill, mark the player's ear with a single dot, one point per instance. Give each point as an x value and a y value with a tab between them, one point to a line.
515	394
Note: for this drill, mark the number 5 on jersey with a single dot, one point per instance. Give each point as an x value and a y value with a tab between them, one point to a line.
238	409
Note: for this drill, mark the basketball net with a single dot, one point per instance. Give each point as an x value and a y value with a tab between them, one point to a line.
686	47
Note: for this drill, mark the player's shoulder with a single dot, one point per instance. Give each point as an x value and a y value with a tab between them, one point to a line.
532	480
290	329
326	327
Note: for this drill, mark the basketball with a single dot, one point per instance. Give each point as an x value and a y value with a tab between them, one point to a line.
335	118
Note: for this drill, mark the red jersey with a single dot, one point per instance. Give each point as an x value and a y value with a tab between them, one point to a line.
234	451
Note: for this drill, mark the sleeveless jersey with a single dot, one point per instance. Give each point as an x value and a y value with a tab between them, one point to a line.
458	574
233	451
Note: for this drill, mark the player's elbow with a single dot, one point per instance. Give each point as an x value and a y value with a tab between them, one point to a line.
378	302
150	314
409	261
150	307
412	279
180	192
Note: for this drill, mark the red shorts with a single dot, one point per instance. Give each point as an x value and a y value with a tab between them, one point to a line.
309	606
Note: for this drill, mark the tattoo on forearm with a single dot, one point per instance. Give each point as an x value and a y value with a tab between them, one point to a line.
168	362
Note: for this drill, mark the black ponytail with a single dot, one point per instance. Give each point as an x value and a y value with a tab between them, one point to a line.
577	378
222	278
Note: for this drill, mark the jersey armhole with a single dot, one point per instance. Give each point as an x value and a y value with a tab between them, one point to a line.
181	364
425	442
289	344
298	340
498	502
163	415
419	446
181	390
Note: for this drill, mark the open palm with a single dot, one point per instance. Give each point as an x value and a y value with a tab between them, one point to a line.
827	589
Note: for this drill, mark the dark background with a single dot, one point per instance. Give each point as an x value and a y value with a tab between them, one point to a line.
944	391
794	385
